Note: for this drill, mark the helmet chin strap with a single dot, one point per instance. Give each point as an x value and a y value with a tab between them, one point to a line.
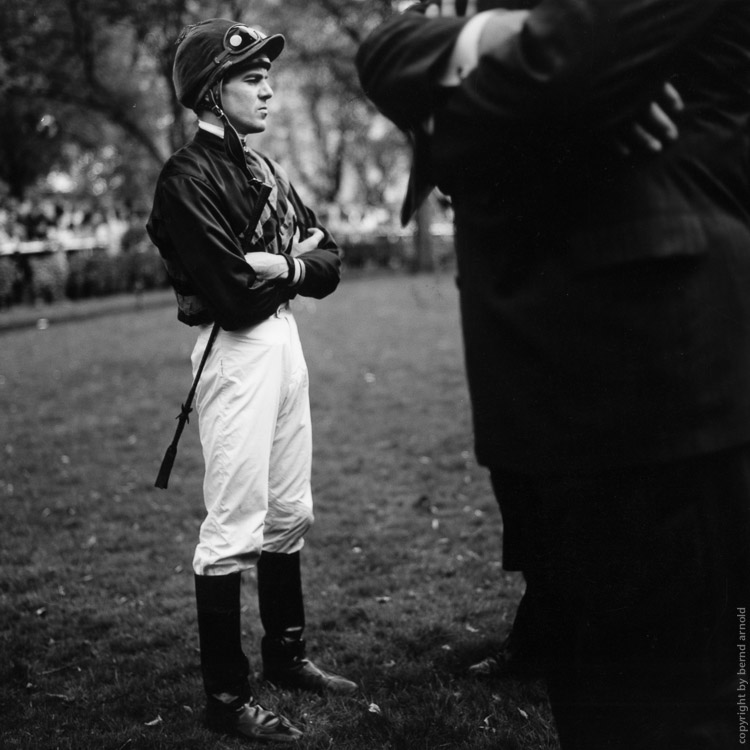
233	143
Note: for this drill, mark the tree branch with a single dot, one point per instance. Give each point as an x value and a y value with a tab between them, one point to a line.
335	10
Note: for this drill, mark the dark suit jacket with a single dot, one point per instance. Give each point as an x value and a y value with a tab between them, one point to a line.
604	301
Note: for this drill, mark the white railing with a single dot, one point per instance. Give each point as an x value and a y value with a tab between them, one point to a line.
51	245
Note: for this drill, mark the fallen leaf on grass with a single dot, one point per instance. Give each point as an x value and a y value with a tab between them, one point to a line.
61	669
374	708
60	697
523	713
158	720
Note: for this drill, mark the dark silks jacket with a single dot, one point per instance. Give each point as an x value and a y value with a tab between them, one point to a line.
199	221
605	301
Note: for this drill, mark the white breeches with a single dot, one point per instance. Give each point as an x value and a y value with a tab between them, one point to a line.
254	422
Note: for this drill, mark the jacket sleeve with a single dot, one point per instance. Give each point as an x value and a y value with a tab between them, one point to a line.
574	62
212	256
322	265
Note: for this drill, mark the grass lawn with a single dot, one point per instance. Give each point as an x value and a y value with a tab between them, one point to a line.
403	582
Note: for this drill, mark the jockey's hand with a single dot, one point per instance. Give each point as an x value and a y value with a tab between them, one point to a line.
268	267
312	241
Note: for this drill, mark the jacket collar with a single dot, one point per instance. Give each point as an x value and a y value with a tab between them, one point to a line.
209	140
211	128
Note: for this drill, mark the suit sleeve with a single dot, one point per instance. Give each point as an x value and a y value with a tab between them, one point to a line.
400	63
574	62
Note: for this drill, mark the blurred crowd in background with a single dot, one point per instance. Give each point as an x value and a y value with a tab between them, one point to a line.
59	222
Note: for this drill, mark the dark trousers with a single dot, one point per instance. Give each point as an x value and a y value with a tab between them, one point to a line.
638	577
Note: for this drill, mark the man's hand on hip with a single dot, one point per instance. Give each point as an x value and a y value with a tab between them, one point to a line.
654	127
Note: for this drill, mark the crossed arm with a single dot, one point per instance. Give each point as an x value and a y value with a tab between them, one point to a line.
271	267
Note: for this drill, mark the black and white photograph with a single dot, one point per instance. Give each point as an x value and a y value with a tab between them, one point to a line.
374	374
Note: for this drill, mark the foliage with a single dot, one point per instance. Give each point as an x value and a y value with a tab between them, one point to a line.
92	276
99	73
396	252
53	276
330	130
404	589
30	142
100	274
66	59
9	278
143	269
48	275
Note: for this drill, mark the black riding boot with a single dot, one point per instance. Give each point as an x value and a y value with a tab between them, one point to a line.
224	666
230	706
282	614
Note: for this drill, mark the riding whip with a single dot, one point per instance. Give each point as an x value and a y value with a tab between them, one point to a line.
183	417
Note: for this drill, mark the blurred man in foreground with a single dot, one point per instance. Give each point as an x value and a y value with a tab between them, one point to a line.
607	333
